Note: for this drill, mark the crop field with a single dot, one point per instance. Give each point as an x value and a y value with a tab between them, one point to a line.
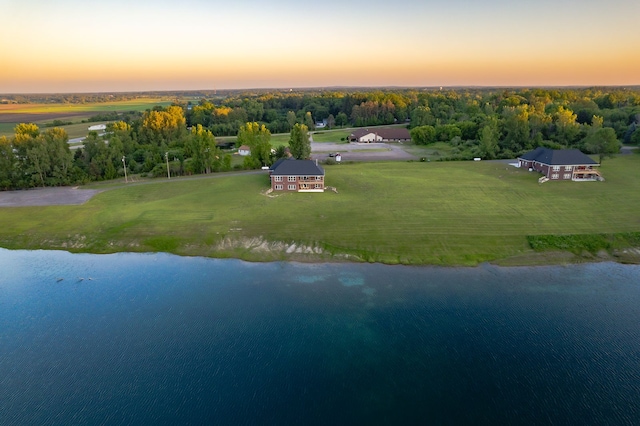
449	213
72	109
12	114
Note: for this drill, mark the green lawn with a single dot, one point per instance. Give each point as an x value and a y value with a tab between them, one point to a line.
444	213
280	139
331	135
276	140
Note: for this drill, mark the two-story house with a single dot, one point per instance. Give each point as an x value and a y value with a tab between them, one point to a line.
296	176
561	164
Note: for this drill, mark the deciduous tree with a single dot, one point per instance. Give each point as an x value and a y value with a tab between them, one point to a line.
489	139
299	143
423	135
291	118
342	119
202	149
258	138
603	142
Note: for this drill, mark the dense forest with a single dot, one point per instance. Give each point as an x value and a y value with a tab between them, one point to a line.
487	123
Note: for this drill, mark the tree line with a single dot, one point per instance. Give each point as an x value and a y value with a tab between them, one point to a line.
157	144
487	123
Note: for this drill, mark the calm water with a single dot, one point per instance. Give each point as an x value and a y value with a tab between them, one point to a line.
160	339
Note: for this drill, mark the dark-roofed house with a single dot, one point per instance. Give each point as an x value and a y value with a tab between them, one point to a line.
296	176
561	164
390	134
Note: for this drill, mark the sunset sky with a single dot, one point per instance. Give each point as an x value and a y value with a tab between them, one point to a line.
117	45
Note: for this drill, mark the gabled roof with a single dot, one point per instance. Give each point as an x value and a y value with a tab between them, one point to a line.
244	148
291	167
385	133
277	163
558	157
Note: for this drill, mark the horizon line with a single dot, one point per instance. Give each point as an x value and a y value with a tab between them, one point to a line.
336	87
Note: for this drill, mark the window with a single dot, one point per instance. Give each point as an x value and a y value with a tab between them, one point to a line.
568	168
567	176
292	187
291	178
318	186
318	177
556	168
278	179
555	176
278	187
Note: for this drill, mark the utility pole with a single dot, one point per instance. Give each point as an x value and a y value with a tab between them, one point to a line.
166	157
124	164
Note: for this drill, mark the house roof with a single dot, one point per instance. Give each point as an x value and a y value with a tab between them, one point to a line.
558	157
385	133
291	167
244	148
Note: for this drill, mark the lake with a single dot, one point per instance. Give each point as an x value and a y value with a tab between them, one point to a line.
162	339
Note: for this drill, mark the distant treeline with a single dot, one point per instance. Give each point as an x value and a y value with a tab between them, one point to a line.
490	123
487	123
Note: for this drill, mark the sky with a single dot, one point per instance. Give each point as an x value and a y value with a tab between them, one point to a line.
142	45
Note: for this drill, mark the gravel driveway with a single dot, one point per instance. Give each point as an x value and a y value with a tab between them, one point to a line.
360	151
45	197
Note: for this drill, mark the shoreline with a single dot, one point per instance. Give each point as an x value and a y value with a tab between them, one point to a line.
480	216
629	256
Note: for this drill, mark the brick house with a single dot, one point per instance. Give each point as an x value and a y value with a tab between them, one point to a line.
290	175
561	164
391	134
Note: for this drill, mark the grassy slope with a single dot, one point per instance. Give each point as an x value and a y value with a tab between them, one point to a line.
426	213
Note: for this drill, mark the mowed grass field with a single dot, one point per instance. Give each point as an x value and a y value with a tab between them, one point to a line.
440	213
331	135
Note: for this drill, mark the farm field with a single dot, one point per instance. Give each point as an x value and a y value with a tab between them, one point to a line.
130	105
440	213
12	114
